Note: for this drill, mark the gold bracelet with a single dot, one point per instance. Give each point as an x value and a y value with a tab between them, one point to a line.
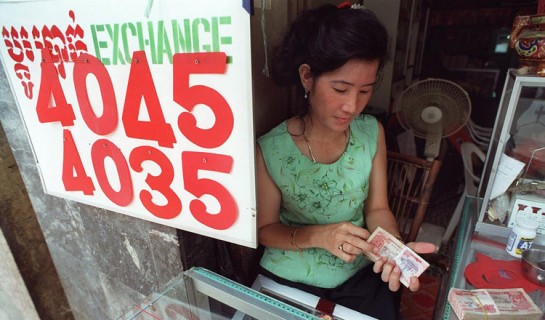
293	243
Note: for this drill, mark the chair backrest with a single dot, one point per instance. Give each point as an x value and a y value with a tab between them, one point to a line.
473	157
479	135
410	184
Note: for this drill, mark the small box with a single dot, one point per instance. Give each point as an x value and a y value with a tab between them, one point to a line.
528	205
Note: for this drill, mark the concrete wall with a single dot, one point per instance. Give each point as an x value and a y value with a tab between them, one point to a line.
21	230
15	302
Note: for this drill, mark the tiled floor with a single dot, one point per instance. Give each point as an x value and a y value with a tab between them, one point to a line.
420	305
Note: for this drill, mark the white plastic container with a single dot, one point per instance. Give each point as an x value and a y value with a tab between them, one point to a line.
522	236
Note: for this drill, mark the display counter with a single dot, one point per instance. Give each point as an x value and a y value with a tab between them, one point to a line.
467	245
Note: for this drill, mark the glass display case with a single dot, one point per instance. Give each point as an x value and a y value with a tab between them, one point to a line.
464	251
199	293
513	178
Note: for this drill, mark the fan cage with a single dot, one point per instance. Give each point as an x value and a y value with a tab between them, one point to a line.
449	97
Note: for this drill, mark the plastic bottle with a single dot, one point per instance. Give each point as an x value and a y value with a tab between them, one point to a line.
522	236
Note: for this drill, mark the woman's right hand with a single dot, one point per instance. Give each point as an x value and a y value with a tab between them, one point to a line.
346	240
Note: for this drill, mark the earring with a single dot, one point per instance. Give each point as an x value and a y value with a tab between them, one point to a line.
306	94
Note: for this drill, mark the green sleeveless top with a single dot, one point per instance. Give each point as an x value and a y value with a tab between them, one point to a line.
315	193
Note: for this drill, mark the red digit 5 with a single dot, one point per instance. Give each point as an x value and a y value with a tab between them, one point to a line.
188	97
193	162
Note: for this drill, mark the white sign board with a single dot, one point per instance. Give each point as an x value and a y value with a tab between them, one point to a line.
139	107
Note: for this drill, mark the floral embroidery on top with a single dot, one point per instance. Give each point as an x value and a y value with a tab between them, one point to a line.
315	193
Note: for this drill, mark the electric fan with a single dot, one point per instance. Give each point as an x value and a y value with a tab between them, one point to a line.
433	109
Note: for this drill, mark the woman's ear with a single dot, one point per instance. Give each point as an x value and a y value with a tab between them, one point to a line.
305	75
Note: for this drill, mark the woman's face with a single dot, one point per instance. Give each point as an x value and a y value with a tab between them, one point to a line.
338	96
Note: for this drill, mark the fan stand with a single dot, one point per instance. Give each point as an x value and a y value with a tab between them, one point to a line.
432	109
433	145
431	115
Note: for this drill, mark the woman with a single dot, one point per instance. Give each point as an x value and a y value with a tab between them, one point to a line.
321	176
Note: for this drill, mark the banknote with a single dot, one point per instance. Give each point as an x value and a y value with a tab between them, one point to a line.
409	262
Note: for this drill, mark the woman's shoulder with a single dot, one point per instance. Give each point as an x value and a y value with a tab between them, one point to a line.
366	123
365	130
365	119
275	132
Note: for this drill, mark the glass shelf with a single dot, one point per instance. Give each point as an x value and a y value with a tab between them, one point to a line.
513	180
202	294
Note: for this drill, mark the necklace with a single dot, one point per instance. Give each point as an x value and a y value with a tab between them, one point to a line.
310	149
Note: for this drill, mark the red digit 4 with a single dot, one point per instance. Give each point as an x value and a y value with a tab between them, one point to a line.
141	86
51	89
74	176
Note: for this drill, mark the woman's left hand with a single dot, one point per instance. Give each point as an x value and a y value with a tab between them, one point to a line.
391	273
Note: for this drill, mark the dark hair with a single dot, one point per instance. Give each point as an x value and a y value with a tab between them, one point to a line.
327	37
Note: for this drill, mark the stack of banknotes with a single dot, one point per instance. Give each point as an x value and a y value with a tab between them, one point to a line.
505	304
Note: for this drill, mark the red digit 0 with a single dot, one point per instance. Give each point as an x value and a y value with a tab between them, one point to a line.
193	162
188	97
107	122
160	183
101	149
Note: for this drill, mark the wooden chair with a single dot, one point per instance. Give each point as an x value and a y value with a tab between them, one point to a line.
410	184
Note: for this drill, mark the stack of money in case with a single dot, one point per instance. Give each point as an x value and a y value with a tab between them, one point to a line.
505	304
410	263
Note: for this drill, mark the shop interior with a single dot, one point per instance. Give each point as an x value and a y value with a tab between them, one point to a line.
463	42
441	43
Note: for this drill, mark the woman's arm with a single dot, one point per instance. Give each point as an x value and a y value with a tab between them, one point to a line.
271	232
377	210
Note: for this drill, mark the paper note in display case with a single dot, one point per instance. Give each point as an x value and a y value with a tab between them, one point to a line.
513	180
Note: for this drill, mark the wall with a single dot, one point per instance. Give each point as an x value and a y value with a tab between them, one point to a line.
388	13
25	241
271	103
15	302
